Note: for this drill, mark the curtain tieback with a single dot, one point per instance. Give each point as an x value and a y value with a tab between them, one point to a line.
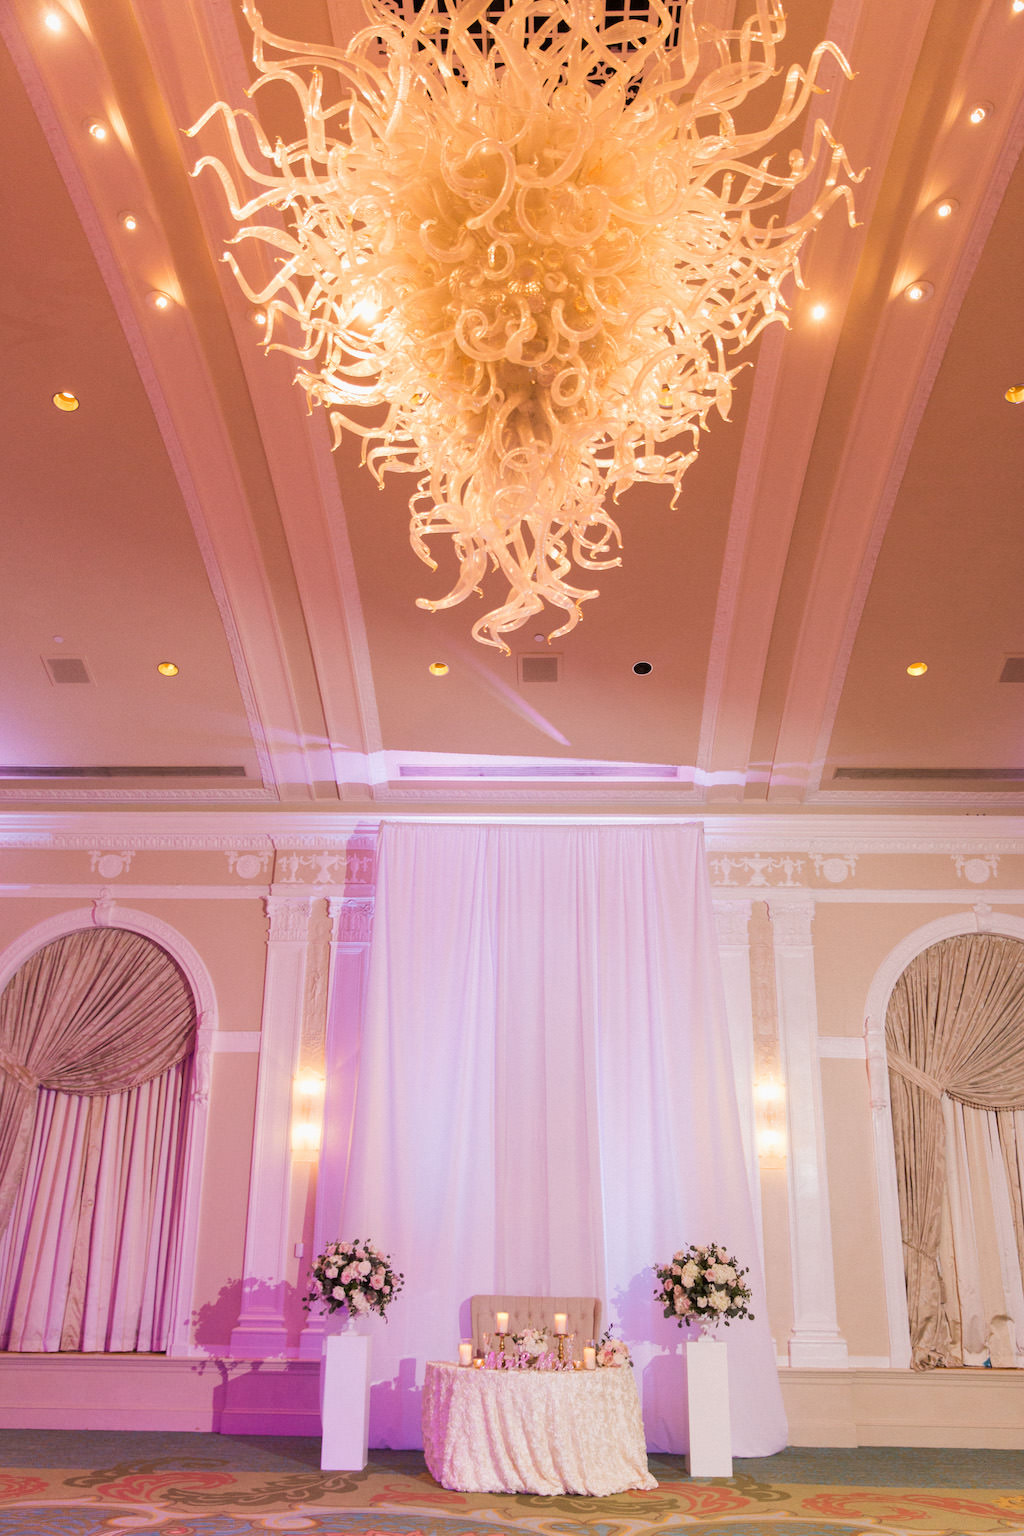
17	1070
913	1074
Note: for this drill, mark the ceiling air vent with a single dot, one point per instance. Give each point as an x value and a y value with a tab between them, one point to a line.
538	669
123	771
66	669
550	770
933	775
1013	670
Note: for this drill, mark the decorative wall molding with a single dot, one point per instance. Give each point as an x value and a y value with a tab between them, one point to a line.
981	918
815	1340
977	868
841	1047
261	1330
182	1282
732	921
248	865
289	918
236	1042
109	865
757	868
791	924
352	918
835	867
840	833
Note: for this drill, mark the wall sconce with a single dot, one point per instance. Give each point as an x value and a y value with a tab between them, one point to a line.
770	1122
307	1117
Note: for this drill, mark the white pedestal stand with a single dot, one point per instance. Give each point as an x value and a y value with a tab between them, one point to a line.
707	1401
345	1402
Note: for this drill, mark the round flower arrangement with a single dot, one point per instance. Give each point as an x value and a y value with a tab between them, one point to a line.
703	1285
612	1351
533	1342
353	1275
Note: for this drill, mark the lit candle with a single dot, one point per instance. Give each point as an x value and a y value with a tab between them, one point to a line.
501	1322
589	1357
561	1321
466	1352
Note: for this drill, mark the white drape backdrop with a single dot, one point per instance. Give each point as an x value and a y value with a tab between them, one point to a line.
545	1101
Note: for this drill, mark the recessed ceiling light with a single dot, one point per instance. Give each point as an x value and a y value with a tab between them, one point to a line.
1015	393
64	400
158	300
128	221
917	668
641	668
819	311
167	669
1017	7
919	290
259	317
97	130
438	669
53	21
946	207
979	112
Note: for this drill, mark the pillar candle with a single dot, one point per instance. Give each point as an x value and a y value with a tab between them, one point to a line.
561	1320
466	1352
589	1357
501	1322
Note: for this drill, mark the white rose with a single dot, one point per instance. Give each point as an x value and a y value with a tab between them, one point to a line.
331	1272
719	1300
338	1293
723	1273
364	1267
689	1273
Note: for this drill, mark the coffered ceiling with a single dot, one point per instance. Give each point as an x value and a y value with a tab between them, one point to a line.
861	511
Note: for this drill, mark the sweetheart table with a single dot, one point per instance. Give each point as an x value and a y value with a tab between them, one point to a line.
534	1431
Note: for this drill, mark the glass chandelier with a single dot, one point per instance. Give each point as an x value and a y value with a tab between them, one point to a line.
521	244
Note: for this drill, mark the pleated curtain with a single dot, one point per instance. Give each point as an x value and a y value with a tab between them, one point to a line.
97	1011
545	1100
88	1257
954	1028
96	1034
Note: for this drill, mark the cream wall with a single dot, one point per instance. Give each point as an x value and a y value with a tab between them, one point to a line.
278	910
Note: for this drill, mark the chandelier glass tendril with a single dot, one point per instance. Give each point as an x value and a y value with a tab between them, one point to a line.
520	245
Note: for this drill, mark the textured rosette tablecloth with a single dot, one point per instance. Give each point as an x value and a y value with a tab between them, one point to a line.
534	1431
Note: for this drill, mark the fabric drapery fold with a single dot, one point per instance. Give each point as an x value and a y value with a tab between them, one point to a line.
546	1102
87	1259
954	1025
98	1011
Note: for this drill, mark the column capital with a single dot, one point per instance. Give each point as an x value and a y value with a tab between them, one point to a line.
351	919
792	922
732	920
289	917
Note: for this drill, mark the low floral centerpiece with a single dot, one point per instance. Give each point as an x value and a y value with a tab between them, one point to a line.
356	1276
533	1342
703	1285
612	1351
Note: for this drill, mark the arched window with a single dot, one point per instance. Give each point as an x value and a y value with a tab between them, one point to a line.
97	1030
954	1035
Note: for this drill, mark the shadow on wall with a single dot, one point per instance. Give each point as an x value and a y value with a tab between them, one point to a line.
214	1321
398	1403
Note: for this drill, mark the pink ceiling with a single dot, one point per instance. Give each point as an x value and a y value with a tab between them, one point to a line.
861	511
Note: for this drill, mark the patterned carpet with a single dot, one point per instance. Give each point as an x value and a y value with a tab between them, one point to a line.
99	1484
